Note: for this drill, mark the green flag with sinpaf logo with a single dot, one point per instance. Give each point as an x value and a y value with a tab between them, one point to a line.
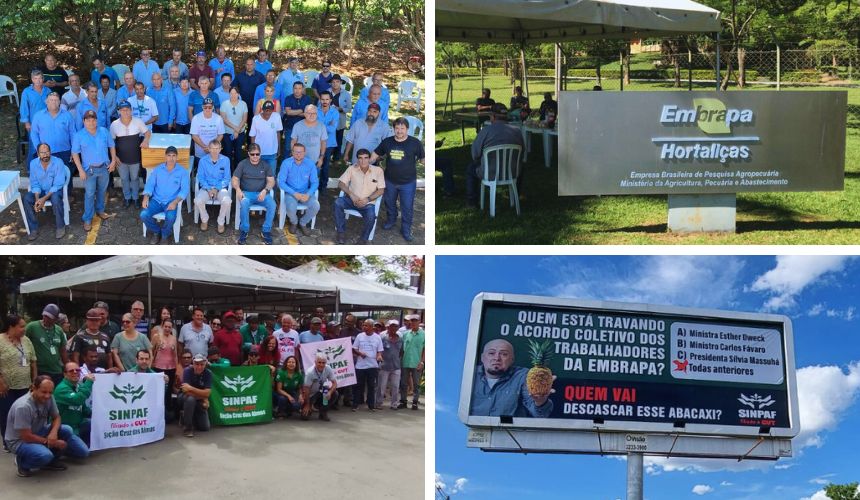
240	395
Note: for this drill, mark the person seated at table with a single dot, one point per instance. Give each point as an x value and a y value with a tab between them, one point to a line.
498	133
519	104
484	103
548	104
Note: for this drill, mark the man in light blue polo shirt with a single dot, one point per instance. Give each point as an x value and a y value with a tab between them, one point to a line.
213	179
220	64
262	63
144	68
176	61
166	186
56	128
290	76
165	101
99	69
299	181
260	91
48	175
90	153
384	95
361	107
366	134
33	101
223	92
94	103
127	89
329	117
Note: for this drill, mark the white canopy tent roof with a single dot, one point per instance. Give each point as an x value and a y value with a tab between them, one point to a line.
540	21
212	281
353	290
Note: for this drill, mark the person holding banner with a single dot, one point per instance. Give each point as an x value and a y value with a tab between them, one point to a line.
35	434
196	388
126	345
320	387
73	400
368	349
287	337
288	385
269	353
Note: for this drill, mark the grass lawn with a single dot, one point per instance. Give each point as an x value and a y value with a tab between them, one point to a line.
803	218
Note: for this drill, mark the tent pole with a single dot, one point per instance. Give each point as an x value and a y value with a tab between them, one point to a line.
149	290
525	75
718	60
621	68
557	70
337	304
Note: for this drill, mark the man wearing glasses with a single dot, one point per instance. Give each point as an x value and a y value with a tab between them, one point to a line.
141	323
253	181
323	80
144	68
72	395
313	134
90	335
205	127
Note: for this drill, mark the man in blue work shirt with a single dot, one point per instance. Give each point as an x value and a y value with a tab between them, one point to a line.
290	76
92	102
127	89
175	61
99	69
48	175
384	96
220	64
56	128
323	80
144	68
165	100
33	101
166	186
223	91
247	82
294	111
262	63
195	100
298	179
213	181
330	117
260	91
90	153
500	388
373	97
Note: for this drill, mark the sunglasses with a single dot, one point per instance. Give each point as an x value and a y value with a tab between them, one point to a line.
77	370
216	324
253	154
126	321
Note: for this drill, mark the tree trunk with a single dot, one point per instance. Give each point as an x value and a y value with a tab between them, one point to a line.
626	64
676	65
742	74
728	74
279	23
261	24
597	70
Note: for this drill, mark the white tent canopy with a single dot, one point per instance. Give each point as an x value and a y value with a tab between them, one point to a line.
357	291
202	280
539	21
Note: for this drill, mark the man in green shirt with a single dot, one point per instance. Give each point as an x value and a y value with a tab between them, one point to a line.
253	333
215	358
144	364
413	360
71	396
49	342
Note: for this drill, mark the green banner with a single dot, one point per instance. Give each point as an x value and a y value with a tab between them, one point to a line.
240	395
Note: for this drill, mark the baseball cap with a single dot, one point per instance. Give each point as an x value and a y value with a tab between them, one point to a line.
410	317
51	311
228	314
316	321
201	53
123	104
198	358
332	324
392	322
171	150
90	114
94	314
377	322
375	106
208	100
336	77
268	105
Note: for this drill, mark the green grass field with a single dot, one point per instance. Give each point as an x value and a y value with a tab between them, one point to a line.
805	218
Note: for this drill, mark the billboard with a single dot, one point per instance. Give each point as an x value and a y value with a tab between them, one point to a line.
681	142
562	364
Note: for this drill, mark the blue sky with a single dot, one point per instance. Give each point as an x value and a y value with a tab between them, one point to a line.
819	294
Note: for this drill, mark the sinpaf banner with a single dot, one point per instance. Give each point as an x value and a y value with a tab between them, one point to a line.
240	395
128	410
682	142
338	352
656	366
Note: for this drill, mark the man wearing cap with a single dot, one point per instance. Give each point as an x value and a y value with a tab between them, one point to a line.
290	76
165	102
204	90
389	370
367	349
200	68
206	127
56	128
362	184
332	330
166	186
221	64
341	100
213	179
195	337
260	90
177	62
287	337
90	149
47	178
413	360
298	179
366	134
497	133
90	335
248	80
313	134
143	106
72	395
229	340
294	106
129	134
194	398
372	97
144	68
265	132
49	343
312	335
253	181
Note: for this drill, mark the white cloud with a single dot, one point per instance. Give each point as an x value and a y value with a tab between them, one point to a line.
784	466
822	479
819	495
441	407
792	274
824	394
702	489
726	483
457	486
815	310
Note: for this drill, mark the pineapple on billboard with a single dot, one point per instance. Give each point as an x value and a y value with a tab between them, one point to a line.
552	363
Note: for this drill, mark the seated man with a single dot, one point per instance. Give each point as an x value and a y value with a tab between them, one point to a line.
320	387
484	103
499	132
196	386
213	178
520	103
72	396
214	357
548	105
166	186
34	432
361	184
299	180
47	179
252	180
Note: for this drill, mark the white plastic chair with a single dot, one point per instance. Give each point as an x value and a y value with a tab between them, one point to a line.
254	208
347	83
210	201
282	212
121	70
377	204
176	225
68	74
409	91
368	81
65	198
504	159
309	77
416	127
6	91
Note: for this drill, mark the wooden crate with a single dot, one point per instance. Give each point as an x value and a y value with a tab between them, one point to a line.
153	156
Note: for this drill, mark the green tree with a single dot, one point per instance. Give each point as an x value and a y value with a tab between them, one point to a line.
848	491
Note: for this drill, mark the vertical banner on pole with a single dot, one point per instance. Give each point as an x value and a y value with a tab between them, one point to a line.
128	410
339	355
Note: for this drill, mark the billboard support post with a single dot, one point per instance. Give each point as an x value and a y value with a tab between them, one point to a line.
690	213
634	475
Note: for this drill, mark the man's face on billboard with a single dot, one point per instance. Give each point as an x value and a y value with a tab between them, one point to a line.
497	357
